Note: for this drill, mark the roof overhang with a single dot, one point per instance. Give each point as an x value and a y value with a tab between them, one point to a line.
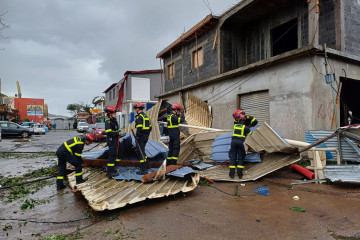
109	88
200	28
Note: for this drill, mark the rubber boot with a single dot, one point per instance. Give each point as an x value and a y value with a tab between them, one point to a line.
240	172
60	184
79	180
143	169
111	172
147	165
232	172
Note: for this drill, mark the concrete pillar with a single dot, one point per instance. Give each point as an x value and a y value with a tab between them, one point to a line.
313	24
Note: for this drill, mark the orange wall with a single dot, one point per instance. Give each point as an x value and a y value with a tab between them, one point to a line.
26	107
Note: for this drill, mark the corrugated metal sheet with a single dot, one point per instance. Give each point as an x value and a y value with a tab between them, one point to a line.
103	193
265	139
344	173
181	172
129	173
256	104
197	113
349	149
153	115
278	153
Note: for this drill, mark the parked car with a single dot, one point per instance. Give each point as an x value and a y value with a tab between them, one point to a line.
13	129
38	128
28	125
99	131
90	128
82	126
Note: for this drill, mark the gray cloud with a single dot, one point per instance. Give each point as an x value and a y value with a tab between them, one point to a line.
68	51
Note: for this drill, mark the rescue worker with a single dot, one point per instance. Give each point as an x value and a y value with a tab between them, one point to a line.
237	149
112	139
173	121
250	121
143	129
70	151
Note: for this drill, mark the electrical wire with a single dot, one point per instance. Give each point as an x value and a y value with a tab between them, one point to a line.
222	191
48	222
28	182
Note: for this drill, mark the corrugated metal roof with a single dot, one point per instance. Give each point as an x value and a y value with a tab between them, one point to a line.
129	173
349	149
344	173
181	172
103	193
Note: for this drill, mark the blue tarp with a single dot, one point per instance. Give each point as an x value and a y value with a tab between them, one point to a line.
154	150
221	147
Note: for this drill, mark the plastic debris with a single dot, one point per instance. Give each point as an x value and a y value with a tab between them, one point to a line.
262	190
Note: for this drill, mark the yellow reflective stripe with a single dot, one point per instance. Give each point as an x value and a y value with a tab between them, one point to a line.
118	160
109	130
137	126
250	133
144	127
231	166
253	120
60	177
239	166
169	158
175	158
141	161
111	164
78	154
78	174
241	129
67	147
170	125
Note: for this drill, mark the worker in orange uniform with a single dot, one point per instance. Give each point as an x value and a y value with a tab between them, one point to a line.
112	139
173	121
143	129
70	151
237	149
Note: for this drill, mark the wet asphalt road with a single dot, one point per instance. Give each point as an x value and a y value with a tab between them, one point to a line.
37	143
331	211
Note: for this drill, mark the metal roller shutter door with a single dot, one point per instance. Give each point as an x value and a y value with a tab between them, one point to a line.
256	105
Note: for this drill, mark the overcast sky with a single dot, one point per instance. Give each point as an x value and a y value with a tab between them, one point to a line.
69	51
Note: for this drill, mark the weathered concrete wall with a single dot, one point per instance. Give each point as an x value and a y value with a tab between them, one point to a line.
351	13
184	74
248	42
327	23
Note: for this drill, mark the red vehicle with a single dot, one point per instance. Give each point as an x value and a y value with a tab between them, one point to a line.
99	131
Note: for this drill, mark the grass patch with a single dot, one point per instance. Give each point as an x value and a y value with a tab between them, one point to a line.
27	155
21	191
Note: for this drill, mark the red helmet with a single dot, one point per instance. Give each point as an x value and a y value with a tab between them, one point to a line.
110	109
139	105
242	112
238	115
176	106
90	137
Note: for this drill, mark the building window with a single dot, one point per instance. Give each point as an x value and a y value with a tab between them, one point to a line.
110	96
114	96
284	37
197	58
171	71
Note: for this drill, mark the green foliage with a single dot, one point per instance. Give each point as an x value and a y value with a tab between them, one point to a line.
74	108
298	209
30	203
42	172
204	183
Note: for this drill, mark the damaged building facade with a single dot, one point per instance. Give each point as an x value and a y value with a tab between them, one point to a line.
283	61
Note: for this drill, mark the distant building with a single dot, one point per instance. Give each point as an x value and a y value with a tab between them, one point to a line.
136	86
30	108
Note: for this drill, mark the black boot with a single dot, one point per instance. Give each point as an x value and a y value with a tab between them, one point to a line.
60	184
240	172
143	170
147	165
79	180
232	172
112	173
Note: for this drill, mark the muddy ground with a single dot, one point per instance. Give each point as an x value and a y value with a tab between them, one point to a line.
329	211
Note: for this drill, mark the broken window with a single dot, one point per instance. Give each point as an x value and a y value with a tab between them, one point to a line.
171	71
349	102
284	37
197	58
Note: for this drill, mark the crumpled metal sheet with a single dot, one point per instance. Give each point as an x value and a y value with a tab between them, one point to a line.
181	172
343	173
103	193
265	139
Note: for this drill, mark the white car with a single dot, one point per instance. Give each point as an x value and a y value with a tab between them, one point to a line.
38	128
82	126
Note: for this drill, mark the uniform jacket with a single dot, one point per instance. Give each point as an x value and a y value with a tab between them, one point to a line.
111	127
142	124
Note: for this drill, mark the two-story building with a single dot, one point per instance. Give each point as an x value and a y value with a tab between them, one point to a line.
135	86
292	63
